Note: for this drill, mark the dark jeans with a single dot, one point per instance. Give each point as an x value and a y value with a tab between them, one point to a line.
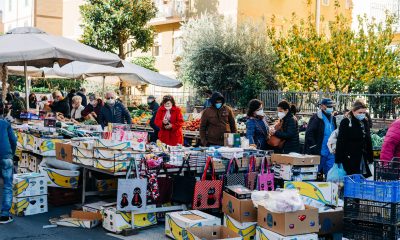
6	167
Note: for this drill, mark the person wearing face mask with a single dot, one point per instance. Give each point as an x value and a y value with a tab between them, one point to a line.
287	129
32	100
153	106
60	104
354	145
257	131
77	108
216	121
92	110
169	120
113	111
319	129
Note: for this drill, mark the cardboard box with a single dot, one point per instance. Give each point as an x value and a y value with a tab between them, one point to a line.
83	161
25	206
29	184
64	152
83	142
82	152
284	168
107	154
115	221
289	224
79	219
212	232
30	142
239	191
112	144
103	185
295	160
331	222
176	223
47	146
60	178
296	177
245	229
22	170
241	210
21	139
264	234
35	160
24	160
111	166
316	194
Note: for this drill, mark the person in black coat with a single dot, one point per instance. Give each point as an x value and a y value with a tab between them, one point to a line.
153	106
60	104
82	94
289	130
354	145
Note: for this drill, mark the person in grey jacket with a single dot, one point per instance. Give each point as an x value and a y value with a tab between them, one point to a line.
114	111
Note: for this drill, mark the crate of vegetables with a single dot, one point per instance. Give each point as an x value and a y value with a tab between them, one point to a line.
193	125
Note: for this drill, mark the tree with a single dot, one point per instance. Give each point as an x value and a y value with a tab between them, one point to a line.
146	62
341	60
222	56
109	24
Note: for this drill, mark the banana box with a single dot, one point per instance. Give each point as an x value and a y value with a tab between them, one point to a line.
103	185
112	144
289	172
21	139
30	142
36	159
78	219
247	229
60	178
25	206
22	170
176	223
111	166
83	142
47	146
316	194
264	234
107	154
24	160
29	184
82	152
116	221
212	232
83	161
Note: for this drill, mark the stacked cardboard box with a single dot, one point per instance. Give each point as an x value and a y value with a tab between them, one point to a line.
29	194
295	167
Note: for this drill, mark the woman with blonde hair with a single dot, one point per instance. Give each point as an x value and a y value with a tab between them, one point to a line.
77	108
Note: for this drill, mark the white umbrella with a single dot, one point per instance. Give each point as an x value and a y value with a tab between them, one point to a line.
19	71
31	46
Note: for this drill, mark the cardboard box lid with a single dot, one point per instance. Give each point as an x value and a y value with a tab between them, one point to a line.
296	159
213	232
241	210
81	215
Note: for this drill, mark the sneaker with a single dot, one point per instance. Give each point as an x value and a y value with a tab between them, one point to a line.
6	219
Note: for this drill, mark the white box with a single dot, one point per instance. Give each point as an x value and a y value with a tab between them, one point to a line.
46	146
264	234
112	144
25	206
83	161
29	184
115	221
60	178
111	166
21	139
177	222
82	152
291	173
22	170
246	229
83	142
107	154
316	194
30	142
24	160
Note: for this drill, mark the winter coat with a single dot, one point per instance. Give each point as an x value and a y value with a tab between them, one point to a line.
216	122
89	109
315	134
18	106
174	136
391	143
77	113
353	145
84	98
257	132
61	106
289	132
114	114
8	140
154	108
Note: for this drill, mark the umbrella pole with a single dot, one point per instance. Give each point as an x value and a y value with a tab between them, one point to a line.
104	86
26	86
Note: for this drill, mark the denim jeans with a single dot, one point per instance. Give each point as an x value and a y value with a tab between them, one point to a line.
326	163
6	167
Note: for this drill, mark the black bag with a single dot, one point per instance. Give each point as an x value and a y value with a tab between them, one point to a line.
183	186
164	186
233	177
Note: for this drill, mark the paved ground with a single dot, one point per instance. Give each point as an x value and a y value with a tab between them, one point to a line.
31	228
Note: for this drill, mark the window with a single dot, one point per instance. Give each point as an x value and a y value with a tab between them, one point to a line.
177	47
9	5
157	45
325	2
26	3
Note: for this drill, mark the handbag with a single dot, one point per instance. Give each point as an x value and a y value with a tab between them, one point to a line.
274	141
183	186
251	179
152	182
131	194
265	180
207	193
232	176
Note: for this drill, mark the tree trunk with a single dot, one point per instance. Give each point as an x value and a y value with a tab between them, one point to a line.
4	78
122	56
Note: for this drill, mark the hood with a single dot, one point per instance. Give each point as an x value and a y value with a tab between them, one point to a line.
217	96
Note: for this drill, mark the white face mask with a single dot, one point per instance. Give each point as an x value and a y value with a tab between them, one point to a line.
110	101
93	102
259	112
281	115
168	108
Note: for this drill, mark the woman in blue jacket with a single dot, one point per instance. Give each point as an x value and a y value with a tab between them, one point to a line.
256	126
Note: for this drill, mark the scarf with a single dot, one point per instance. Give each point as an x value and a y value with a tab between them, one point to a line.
168	115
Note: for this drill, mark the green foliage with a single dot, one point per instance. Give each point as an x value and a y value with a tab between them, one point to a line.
223	56
109	24
17	83
339	60
146	62
379	102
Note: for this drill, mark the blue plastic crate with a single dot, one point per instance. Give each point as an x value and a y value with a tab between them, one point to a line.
356	186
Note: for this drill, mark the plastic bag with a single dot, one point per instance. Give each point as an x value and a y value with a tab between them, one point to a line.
280	201
336	174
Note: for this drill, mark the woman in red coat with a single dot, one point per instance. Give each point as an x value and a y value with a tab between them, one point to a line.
391	144
170	121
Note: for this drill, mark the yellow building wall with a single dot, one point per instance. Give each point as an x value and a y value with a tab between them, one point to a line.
49	16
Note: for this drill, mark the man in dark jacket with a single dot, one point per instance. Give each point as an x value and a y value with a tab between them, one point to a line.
7	152
114	111
60	104
18	105
153	106
82	94
93	108
216	121
320	128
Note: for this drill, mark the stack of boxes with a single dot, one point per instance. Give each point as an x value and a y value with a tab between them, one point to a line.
29	194
295	167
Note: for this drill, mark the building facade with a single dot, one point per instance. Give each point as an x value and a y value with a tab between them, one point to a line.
15	13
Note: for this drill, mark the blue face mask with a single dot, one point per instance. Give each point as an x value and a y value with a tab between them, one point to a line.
218	105
329	110
360	117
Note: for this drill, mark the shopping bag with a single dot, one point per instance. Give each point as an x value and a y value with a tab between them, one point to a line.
336	173
251	179
131	194
183	186
265	180
207	193
232	176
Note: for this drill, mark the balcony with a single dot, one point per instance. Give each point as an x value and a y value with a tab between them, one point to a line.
170	11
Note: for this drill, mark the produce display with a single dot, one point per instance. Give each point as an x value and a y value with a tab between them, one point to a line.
141	116
377	141
193	125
